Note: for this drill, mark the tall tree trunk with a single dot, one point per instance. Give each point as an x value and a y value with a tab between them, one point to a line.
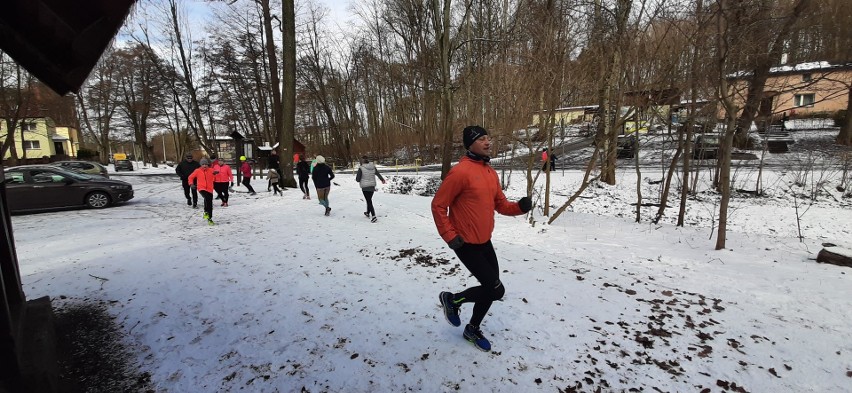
442	37
760	74
845	135
274	74
289	95
611	66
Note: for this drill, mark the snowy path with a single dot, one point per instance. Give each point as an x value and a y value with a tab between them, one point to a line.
279	298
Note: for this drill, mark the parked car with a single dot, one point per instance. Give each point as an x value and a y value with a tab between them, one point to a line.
626	146
706	147
123	165
88	167
46	187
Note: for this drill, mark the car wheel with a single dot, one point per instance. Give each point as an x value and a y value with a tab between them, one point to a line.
97	200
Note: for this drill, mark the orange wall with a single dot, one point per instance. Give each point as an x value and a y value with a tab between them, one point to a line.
830	89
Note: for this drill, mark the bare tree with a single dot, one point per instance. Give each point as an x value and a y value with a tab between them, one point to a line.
187	88
140	86
97	102
15	99
762	30
319	81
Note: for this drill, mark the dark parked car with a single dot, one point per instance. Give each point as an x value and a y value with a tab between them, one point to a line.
87	167
626	146
43	187
123	165
706	147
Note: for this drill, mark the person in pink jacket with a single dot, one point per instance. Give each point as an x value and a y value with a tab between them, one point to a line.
245	169
223	178
202	178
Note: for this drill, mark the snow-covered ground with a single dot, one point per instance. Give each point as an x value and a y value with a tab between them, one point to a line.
277	297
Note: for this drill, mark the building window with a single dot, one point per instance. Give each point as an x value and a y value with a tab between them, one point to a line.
32	145
28	126
804	99
806	77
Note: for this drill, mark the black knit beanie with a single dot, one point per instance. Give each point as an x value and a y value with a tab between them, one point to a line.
471	134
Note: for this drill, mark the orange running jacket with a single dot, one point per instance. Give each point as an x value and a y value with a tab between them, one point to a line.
465	203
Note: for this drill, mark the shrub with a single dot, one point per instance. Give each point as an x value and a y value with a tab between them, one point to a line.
86	154
840	118
416	185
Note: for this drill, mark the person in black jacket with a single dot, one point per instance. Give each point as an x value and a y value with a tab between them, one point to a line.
322	181
183	170
303	169
274	163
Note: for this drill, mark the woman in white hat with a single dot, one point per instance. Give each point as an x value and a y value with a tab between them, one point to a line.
322	176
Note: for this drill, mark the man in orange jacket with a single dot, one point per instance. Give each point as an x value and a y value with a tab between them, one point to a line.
463	209
204	178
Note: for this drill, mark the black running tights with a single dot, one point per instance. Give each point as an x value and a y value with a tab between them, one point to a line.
303	185
368	195
208	202
481	261
247	183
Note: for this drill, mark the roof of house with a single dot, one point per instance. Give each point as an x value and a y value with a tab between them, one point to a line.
801	68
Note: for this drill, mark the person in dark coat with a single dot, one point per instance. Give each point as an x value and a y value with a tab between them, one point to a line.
183	170
322	175
303	169
274	164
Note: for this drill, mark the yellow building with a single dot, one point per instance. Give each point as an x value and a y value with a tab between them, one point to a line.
569	115
40	137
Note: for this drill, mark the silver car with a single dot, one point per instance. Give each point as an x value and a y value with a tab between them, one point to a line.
88	167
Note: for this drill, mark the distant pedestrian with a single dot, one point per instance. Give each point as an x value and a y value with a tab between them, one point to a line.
303	169
223	180
545	160
203	178
245	169
183	170
366	178
275	164
272	176
322	175
463	209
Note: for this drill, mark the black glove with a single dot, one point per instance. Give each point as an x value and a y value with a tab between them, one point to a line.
232	184
525	204
456	243
193	186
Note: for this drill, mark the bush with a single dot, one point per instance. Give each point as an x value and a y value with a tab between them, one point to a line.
86	154
416	185
840	118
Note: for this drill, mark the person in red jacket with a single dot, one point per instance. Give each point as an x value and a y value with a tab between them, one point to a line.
245	169
223	178
203	179
463	209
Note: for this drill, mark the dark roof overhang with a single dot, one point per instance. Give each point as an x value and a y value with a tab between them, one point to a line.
60	41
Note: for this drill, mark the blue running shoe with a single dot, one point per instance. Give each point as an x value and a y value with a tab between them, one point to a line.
474	335
451	310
